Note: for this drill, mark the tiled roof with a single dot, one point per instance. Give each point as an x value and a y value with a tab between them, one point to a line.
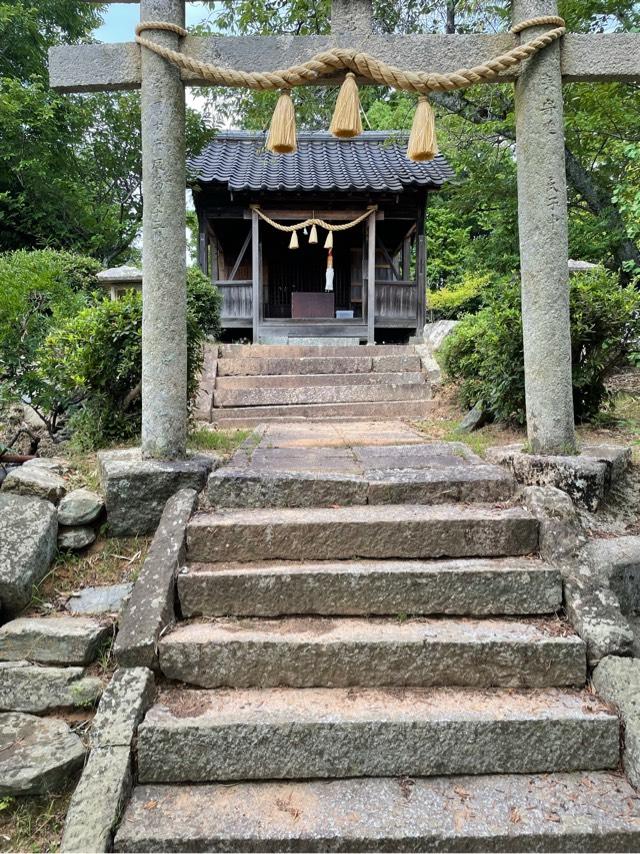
373	161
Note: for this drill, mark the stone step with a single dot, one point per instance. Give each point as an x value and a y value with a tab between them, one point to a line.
371	531
294	734
247	416
295	351
304	365
471	587
309	652
597	811
288	381
260	485
301	394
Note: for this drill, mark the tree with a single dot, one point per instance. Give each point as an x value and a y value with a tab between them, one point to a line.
70	167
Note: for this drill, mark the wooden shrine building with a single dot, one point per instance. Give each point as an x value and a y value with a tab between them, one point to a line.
272	292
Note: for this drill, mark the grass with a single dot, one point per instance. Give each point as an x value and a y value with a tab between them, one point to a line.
223	441
33	824
107	561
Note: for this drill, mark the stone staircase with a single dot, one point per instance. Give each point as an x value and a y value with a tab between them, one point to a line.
390	677
252	384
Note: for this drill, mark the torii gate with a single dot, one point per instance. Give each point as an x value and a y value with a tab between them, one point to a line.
542	191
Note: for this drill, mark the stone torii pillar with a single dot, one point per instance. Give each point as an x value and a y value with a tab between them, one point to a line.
164	249
542	213
544	250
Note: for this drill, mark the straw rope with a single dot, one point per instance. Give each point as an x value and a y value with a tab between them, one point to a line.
329	62
343	226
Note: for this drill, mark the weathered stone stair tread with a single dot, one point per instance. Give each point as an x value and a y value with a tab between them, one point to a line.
328	733
273	484
302	365
250	416
294	351
344	652
475	587
557	812
317	394
287	381
371	531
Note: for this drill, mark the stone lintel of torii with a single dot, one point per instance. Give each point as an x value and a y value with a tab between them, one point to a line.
542	190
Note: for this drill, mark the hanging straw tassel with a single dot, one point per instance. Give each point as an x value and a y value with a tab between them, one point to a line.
313	236
294	243
282	133
328	244
346	120
422	142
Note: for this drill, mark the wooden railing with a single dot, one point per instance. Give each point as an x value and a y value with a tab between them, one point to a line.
237	300
396	300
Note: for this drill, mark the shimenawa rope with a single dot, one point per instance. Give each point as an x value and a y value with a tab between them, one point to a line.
346	120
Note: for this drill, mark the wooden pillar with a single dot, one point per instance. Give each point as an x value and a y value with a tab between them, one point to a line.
371	280
256	274
542	224
421	272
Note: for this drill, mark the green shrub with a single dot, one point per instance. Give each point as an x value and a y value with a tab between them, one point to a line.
95	359
465	297
38	290
485	354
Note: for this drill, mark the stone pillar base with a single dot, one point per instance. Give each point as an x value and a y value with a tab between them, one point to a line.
136	490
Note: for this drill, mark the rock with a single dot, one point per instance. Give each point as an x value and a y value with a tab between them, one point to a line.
561	533
52	640
151	606
98	801
618	681
137	490
37	755
76	539
618	562
434	334
36	481
594	612
52	464
80	507
99	600
105	784
585	477
473	420
28	531
26	687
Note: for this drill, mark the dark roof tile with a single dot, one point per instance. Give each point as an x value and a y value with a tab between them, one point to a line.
372	161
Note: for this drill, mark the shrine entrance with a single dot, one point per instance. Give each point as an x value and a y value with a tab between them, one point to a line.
538	55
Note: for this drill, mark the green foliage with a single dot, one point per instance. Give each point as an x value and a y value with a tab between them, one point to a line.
463	297
485	353
95	358
39	289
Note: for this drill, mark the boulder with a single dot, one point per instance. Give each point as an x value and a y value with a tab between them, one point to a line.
434	334
36	481
28	531
53	640
80	507
77	538
37	755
